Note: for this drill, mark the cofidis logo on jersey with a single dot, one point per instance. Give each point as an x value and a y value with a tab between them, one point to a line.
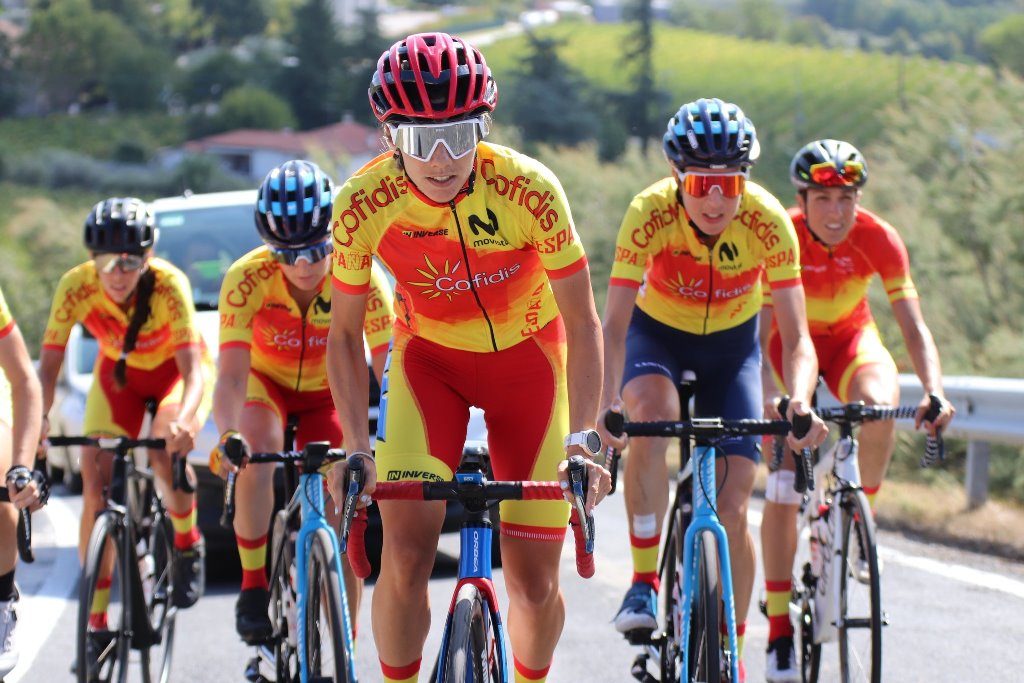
516	190
448	280
365	203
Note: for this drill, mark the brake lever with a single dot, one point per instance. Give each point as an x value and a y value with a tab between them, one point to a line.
355	479
614	422
579	484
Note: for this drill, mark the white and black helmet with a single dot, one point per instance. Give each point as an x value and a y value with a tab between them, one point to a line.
120	225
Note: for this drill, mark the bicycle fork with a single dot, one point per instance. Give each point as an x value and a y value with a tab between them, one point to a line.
705	518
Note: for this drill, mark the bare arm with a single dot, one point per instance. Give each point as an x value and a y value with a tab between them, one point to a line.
183	428
769	387
229	392
50	361
618	309
799	361
575	301
26	397
925	357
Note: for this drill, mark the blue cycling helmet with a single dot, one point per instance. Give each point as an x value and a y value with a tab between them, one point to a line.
293	206
711	134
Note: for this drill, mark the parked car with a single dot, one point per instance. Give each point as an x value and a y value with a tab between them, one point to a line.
202	234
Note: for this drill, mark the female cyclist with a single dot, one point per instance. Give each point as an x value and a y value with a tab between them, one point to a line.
685	294
275	306
494	309
139	308
20	415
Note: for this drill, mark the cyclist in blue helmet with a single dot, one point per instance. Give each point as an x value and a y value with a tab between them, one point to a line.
275	306
685	294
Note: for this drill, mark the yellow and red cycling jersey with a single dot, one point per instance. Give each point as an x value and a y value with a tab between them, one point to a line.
81	298
698	289
6	319
471	274
258	312
6	327
836	278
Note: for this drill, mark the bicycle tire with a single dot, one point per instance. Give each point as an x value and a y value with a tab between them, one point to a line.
705	658
158	592
471	656
810	651
858	537
671	583
326	611
112	660
283	599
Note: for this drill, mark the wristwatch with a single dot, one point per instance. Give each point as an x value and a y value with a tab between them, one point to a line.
588	438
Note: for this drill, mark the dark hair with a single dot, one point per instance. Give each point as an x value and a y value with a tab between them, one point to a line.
143	299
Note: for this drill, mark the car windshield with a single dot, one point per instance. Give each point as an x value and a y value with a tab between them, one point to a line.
88	349
204	242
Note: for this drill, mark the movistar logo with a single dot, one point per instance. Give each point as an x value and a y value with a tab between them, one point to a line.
490	227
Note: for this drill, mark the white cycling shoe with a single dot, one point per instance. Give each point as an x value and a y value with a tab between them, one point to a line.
8	641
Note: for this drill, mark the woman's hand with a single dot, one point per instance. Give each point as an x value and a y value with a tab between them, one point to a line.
337	475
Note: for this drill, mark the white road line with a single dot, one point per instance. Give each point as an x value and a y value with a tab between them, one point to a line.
954	572
38	614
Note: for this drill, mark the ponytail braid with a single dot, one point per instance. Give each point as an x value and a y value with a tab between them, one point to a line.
143	295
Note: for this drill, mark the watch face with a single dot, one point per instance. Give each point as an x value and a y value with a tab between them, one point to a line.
593	444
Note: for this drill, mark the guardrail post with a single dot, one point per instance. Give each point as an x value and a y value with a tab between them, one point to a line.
977	472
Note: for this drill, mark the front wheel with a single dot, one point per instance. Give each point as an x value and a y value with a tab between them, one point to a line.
103	638
472	655
671	587
705	660
860	599
157	574
328	638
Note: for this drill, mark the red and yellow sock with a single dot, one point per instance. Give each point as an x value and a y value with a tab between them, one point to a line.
401	674
253	554
741	635
524	674
100	602
871	492
645	558
186	531
779	593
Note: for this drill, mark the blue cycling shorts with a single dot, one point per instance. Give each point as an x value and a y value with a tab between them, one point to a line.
727	365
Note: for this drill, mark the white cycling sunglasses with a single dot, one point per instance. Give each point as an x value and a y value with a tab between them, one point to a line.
420	141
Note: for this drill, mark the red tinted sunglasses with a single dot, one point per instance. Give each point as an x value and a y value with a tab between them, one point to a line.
827	174
729	185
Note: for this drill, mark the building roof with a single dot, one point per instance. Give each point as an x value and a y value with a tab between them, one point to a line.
344	138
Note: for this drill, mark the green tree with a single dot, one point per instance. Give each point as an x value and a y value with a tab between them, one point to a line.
233	20
639	54
311	79
1004	43
252	107
546	98
9	77
760	19
209	79
362	46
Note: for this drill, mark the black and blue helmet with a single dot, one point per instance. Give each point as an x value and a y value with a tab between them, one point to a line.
293	206
710	134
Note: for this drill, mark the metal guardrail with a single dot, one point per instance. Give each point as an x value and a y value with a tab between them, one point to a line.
988	409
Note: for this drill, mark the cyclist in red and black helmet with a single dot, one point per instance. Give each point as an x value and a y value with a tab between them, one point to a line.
842	247
493	309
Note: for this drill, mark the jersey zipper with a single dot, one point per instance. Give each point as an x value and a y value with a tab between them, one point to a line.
711	287
302	353
469	276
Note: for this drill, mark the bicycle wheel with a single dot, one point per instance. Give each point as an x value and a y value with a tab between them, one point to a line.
705	660
157	586
810	652
283	601
102	649
327	656
472	652
671	587
860	599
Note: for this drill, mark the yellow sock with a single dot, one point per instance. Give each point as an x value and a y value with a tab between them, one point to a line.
524	674
871	492
401	674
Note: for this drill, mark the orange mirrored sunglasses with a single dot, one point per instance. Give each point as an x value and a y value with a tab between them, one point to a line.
729	185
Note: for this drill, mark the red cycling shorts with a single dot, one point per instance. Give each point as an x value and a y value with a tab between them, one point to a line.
428	390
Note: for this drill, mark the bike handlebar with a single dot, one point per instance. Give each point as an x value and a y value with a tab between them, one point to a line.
354	523
107	443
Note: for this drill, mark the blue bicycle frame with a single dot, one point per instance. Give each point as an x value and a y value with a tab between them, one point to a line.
475	539
705	518
311	501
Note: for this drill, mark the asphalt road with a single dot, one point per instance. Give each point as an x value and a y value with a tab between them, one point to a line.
955	616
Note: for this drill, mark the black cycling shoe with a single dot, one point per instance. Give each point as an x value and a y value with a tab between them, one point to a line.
251	618
189	574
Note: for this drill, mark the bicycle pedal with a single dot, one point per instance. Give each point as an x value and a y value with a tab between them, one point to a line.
252	671
640	637
640	672
885	618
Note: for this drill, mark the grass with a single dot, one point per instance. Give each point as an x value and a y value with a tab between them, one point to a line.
97	135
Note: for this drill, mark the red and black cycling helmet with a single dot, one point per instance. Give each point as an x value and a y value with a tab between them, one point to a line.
433	76
828	163
120	225
711	134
